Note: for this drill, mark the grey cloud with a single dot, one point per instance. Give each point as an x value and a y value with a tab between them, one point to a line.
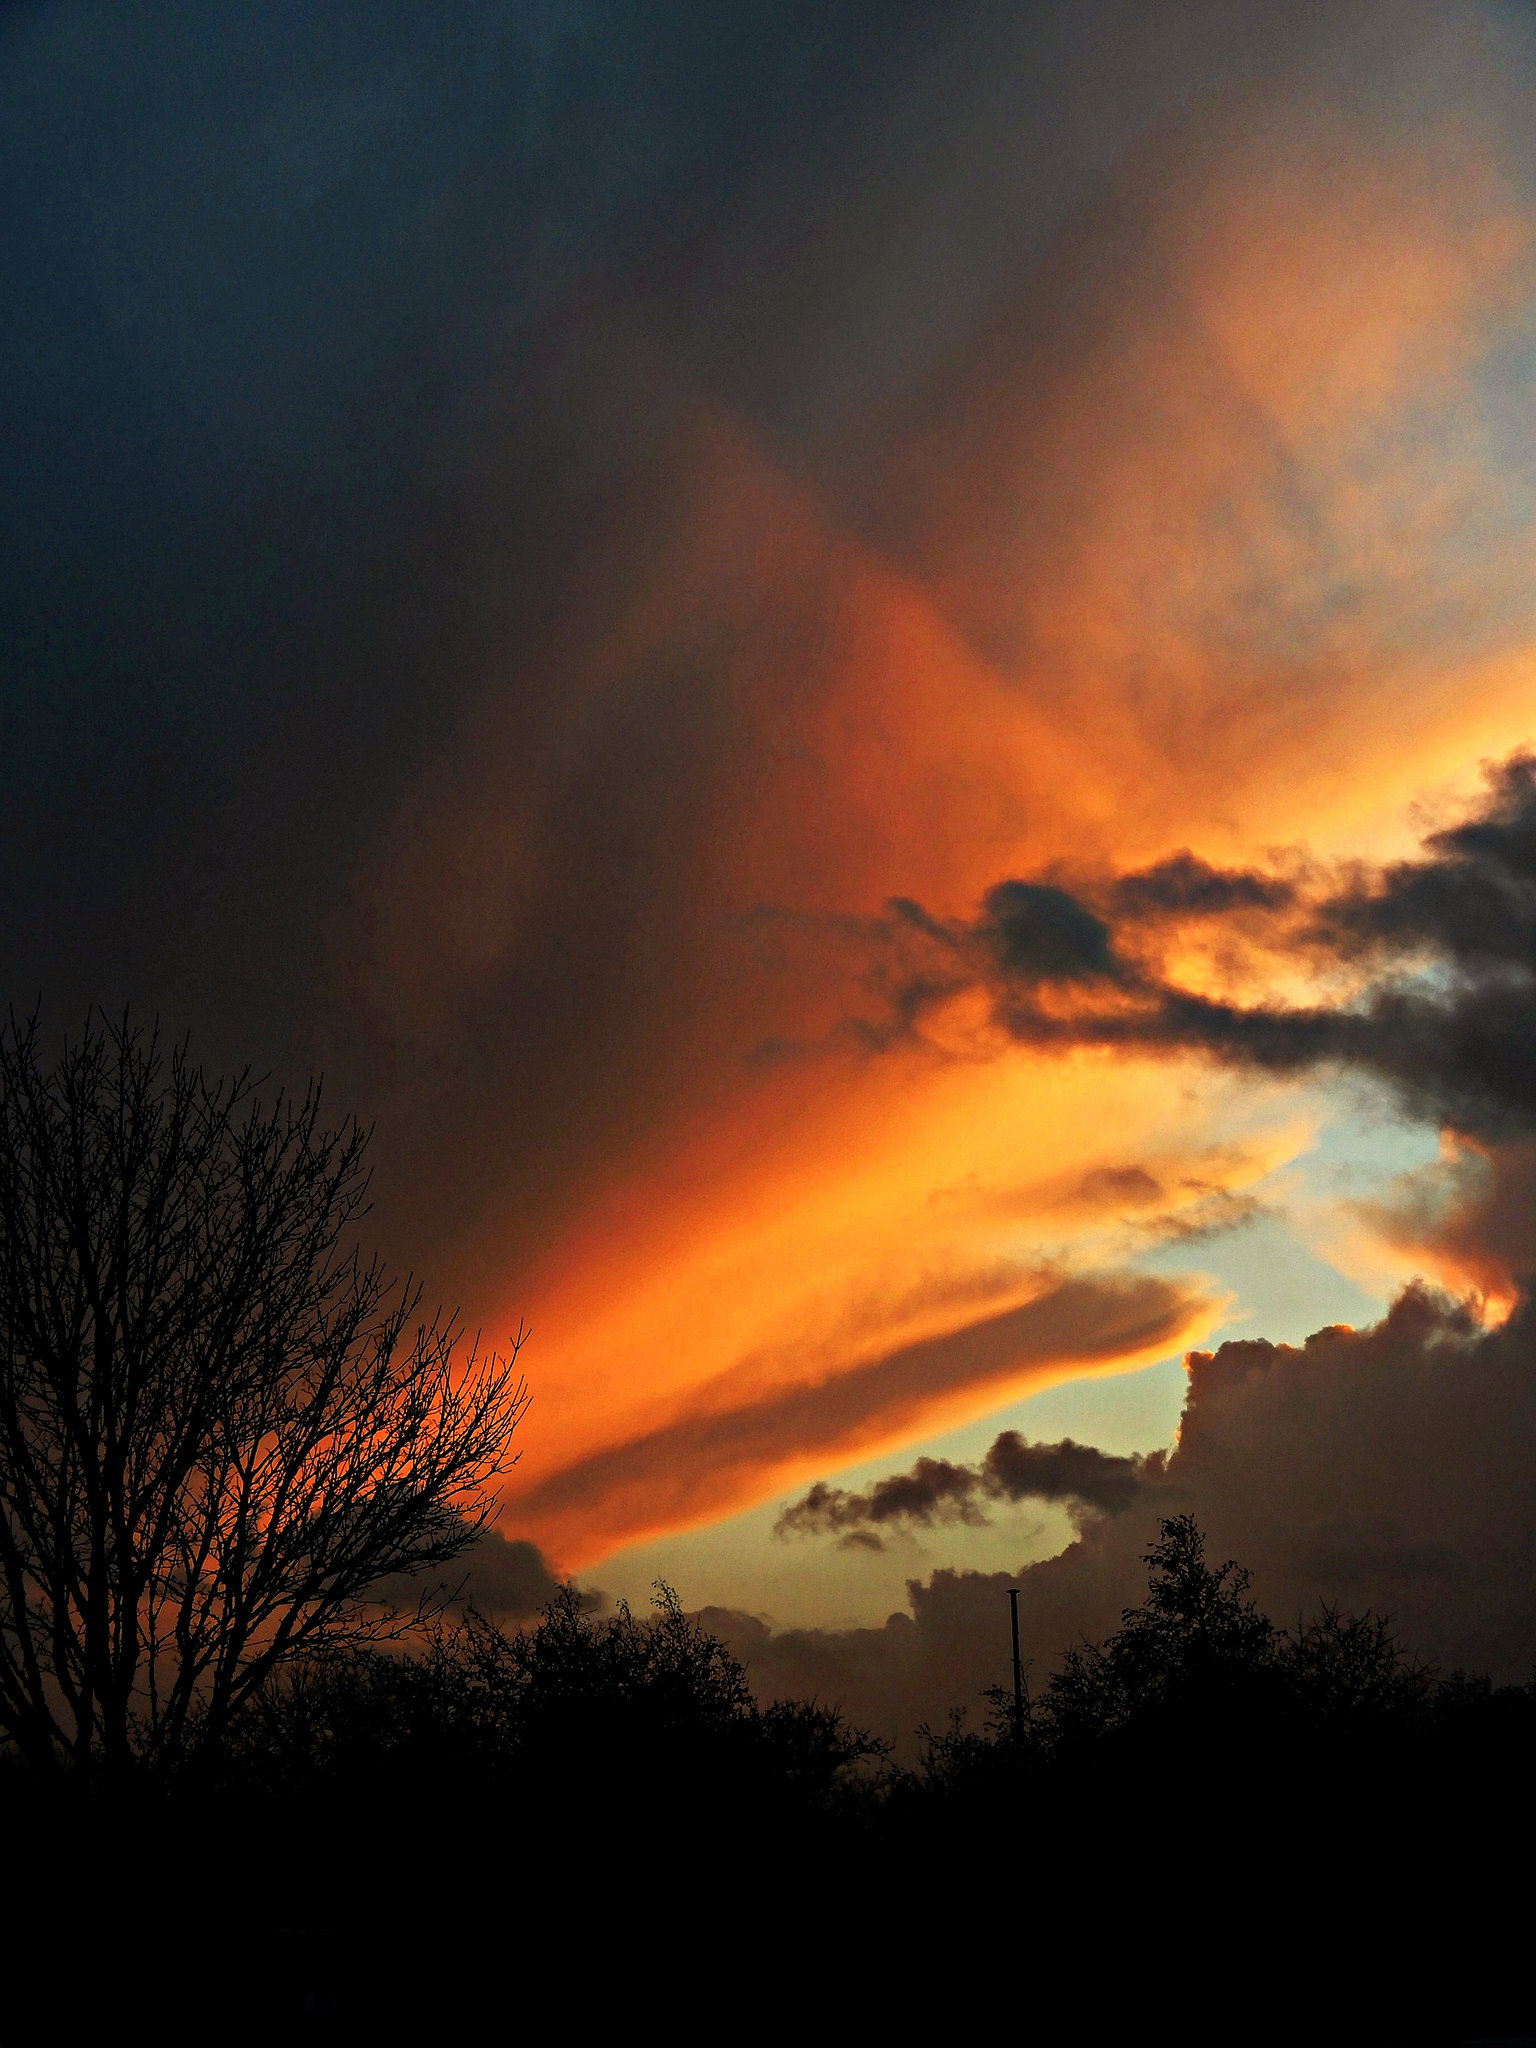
1214	1212
1209	1210
1017	1470
1183	885
1130	1186
500	1576
938	1491
1472	902
1038	932
507	1575
1448	1019
933	1491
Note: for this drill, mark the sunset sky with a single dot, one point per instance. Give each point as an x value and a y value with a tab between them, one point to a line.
830	657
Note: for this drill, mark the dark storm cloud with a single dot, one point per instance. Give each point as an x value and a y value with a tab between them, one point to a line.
343	377
352	373
1471	903
330	421
1037	932
938	1491
1185	886
1446	1013
1386	1468
352	370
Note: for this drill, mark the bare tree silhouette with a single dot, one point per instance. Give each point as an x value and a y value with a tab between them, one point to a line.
219	1424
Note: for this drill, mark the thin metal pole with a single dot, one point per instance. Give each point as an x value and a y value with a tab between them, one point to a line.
1018	1668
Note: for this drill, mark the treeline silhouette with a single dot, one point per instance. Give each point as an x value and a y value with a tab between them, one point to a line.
1234	1830
1204	1822
654	1699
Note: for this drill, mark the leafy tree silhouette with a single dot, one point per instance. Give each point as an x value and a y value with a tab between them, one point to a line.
1197	1667
1197	1639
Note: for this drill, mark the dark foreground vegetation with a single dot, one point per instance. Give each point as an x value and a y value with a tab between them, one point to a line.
241	1792
1206	1827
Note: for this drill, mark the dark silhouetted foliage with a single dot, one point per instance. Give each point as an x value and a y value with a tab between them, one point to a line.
1196	1645
1204	1828
1205	1799
650	1696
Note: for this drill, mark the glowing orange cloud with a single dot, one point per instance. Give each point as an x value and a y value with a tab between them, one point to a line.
703	1463
1161	561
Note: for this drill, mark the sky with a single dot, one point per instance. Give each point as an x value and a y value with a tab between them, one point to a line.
860	671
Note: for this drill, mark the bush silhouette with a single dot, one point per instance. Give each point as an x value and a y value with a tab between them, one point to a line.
649	1697
1197	1667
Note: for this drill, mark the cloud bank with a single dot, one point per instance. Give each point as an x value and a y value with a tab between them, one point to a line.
505	1578
1385	1468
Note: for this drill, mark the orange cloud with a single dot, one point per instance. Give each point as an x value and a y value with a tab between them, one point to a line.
1165	557
706	1462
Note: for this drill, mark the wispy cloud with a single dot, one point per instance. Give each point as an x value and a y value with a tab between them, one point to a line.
711	1460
